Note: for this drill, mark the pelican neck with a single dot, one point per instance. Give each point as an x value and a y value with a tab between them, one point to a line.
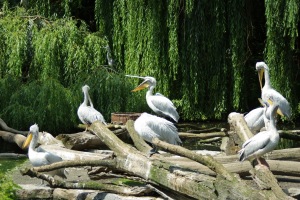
33	142
86	96
267	78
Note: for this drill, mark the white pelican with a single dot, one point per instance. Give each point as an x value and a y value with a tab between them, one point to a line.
284	106
88	114
41	157
149	126
263	142
255	119
160	104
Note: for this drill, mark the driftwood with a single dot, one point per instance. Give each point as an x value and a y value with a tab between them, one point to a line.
179	179
6	128
201	135
81	141
292	154
261	175
13	138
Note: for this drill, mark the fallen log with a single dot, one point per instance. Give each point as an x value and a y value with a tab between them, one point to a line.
204	130
292	154
183	135
133	191
81	141
13	138
6	128
86	140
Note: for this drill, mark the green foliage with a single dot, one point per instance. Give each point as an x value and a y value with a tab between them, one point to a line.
202	54
282	20
46	103
8	188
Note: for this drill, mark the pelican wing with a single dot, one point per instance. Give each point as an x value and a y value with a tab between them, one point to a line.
284	105
89	115
254	119
164	106
149	126
51	158
257	142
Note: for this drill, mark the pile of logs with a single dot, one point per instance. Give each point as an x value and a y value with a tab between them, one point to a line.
190	176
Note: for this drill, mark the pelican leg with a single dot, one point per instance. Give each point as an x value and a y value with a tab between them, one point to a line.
153	151
86	127
264	164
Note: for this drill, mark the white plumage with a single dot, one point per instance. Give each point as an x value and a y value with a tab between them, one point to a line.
255	119
267	91
88	114
160	104
263	142
149	126
41	157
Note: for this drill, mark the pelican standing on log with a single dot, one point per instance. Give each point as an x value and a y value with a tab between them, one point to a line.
267	91
160	104
263	142
149	126
88	114
41	157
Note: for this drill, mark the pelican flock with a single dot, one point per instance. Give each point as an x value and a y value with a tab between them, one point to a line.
41	157
149	126
263	142
88	114
160	104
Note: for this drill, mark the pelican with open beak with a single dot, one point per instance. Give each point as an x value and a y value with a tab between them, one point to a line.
267	91
160	104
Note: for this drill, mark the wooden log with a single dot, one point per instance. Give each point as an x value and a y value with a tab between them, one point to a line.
13	138
228	186
87	140
158	171
133	191
288	135
183	135
238	122
292	154
81	141
6	128
204	130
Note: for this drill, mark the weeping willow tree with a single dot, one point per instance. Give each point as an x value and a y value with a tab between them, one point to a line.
44	64
202	54
282	32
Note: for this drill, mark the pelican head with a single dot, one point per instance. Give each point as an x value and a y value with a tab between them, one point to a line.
148	82
85	88
107	48
261	67
33	132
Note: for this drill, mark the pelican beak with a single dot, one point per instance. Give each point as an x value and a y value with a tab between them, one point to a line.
260	76
27	141
278	110
143	85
